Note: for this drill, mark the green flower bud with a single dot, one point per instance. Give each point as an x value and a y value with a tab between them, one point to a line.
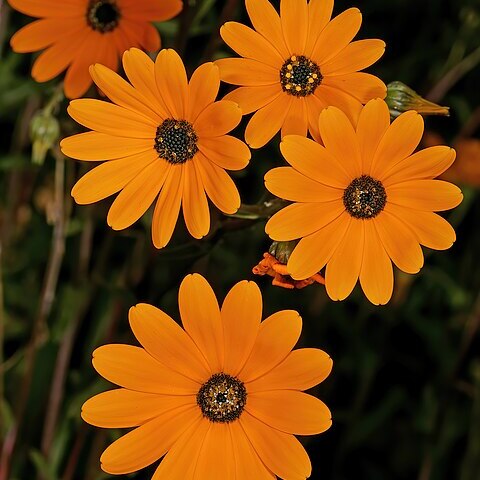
282	250
401	98
44	133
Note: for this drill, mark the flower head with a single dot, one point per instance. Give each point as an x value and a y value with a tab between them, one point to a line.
225	395
78	33
296	64
163	136
362	201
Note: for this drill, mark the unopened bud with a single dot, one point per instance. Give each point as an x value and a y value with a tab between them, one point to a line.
44	133
401	98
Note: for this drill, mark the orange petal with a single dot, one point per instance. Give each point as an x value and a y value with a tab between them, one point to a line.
140	71
314	108
250	44
122	93
287	183
218	119
43	33
219	186
267	121
302	369
110	177
313	252
226	152
430	229
290	411
337	35
335	97
360	85
343	268
294	19
340	140
265	20
301	219
172	82
426	195
142	34
166	341
166	211
181	461
314	161
372	124
277	335
93	146
398	142
201	319
202	89
149	442
247	72
399	242
111	119
241	316
296	122
425	164
376	275
248	463
94	49
55	59
354	57
148	11
250	99
216	460
123	408
133	368
194	203
48	8
319	14
135	199
281	452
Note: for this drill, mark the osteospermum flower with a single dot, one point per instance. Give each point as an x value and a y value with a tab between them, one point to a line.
162	136
297	64
221	399
362	201
78	33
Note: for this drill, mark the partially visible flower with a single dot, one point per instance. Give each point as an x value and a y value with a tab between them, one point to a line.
162	137
221	399
78	33
401	98
296	64
274	264
466	169
362	201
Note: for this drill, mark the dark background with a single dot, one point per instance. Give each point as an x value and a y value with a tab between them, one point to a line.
405	388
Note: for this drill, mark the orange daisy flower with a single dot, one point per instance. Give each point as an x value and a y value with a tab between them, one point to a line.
162	136
221	399
296	64
362	201
78	33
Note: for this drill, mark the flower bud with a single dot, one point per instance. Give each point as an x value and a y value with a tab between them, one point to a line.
401	98
44	133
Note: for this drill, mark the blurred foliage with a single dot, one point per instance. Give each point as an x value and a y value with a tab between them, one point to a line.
405	389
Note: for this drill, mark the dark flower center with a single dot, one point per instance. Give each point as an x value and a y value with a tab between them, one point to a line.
300	76
176	141
103	16
222	398
365	197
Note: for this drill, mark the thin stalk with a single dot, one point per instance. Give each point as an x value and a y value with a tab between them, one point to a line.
39	332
